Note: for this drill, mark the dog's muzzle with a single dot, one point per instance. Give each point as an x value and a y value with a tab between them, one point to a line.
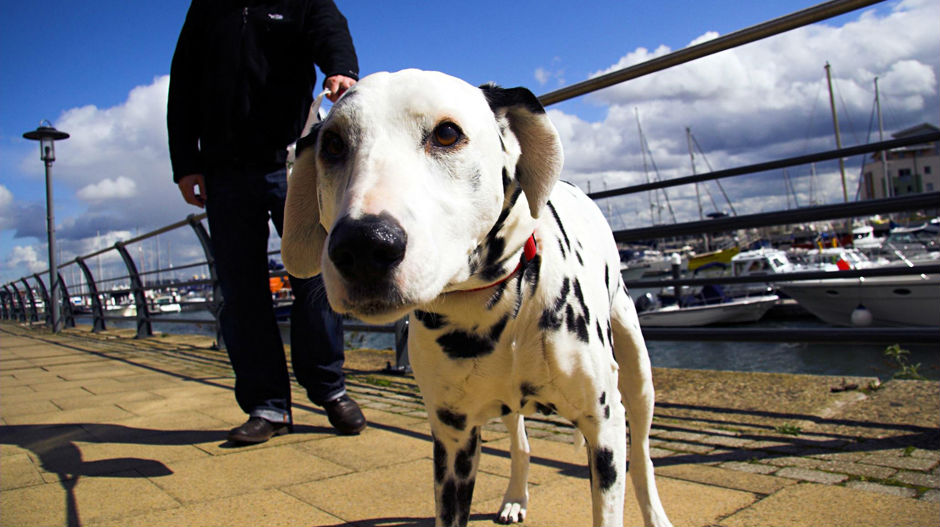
366	250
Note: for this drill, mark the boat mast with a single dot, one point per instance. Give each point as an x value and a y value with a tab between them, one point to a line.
881	137
646	170
698	194
835	124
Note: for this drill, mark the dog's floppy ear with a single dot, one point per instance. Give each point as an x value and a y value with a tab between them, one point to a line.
541	160
302	243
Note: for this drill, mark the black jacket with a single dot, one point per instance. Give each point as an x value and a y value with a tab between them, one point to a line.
243	75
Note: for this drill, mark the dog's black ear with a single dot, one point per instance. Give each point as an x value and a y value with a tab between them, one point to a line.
302	243
541	157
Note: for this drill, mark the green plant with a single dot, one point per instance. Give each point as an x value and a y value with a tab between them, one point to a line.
906	370
790	430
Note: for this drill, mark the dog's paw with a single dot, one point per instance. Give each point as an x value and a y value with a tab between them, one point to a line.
512	511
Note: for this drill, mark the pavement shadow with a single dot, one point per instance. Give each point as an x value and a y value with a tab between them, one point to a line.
55	447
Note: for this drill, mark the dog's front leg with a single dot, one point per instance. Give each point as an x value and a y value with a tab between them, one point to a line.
456	456
516	498
605	433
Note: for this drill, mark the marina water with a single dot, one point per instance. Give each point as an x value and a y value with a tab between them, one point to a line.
849	359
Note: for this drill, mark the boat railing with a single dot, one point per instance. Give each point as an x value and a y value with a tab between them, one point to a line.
27	298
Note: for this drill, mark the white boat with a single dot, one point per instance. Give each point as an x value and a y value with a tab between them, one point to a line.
837	259
737	310
905	300
759	262
863	238
166	304
649	264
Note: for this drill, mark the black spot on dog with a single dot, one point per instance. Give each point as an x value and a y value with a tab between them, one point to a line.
497	295
561	247
493	266
600	331
581	330
528	389
440	461
505	410
603	398
463	345
464	498
531	272
607	277
580	296
499	98
551	316
545	409
452	419
431	320
604	466
607	412
463	464
577	254
448	502
561	227
497	330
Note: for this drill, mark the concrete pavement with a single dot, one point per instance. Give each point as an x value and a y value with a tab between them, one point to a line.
104	429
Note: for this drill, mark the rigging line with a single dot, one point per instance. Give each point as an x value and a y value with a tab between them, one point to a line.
659	178
717	182
846	114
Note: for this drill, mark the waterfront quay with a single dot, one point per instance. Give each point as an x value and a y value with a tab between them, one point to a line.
105	429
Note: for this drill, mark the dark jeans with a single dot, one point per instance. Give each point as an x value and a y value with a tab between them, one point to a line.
240	200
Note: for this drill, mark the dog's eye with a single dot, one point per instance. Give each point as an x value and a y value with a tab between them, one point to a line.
334	149
447	134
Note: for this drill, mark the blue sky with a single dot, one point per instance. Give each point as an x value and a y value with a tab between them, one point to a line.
98	71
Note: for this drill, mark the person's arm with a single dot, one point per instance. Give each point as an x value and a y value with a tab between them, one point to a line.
332	46
182	115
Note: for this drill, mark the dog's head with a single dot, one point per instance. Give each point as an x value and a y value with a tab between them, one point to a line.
392	195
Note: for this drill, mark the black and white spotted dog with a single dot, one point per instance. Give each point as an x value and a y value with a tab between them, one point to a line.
422	194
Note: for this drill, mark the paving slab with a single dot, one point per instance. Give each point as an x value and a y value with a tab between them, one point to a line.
143	422
810	504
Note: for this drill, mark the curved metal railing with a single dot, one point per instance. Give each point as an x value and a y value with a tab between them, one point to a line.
18	299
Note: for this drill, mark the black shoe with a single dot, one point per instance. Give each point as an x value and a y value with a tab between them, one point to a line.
345	415
257	430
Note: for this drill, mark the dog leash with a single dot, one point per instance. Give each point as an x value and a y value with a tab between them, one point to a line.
313	116
529	250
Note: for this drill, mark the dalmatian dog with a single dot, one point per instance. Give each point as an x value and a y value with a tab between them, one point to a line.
422	195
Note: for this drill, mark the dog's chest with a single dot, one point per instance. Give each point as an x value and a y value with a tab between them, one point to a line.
520	344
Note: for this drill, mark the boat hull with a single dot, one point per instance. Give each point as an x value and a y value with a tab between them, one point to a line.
736	311
911	300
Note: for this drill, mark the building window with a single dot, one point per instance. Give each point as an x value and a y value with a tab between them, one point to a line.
927	169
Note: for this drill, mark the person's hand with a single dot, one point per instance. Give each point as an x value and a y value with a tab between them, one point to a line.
337	84
188	185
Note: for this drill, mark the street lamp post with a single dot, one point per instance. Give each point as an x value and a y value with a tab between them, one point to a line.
46	134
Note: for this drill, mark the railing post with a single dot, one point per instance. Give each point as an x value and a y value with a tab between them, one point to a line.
68	315
97	310
47	312
8	306
144	327
19	301
215	306
33	312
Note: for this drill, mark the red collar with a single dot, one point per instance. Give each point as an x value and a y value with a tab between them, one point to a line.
529	250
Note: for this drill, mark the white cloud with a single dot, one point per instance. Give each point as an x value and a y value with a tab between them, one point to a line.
120	187
6	208
542	75
26	256
758	102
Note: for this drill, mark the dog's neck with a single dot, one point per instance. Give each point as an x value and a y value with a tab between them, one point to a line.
498	255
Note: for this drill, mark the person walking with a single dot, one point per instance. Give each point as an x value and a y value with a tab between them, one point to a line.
241	85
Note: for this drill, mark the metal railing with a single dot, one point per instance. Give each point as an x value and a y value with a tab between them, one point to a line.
23	305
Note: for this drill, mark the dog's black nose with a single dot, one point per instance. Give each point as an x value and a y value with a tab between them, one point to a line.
367	249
